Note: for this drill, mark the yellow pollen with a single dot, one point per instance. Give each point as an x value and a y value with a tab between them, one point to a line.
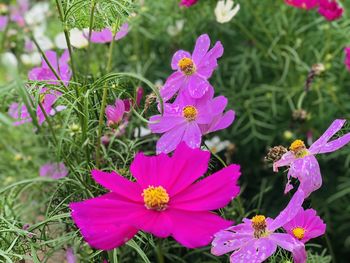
155	198
298	148
299	232
187	66
259	225
190	113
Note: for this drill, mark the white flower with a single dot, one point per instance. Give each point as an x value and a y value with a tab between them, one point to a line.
224	12
31	59
215	145
37	14
77	38
60	41
9	60
143	132
174	30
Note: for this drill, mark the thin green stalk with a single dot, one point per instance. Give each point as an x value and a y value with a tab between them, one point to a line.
216	156
3	40
103	106
159	253
93	6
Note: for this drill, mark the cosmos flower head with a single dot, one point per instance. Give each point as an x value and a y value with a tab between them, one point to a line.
165	200
304	4
330	9
53	170
225	11
256	239
302	162
106	35
115	113
188	3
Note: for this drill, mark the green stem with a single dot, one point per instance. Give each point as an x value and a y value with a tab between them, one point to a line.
329	245
301	100
93	5
159	252
103	106
216	156
4	38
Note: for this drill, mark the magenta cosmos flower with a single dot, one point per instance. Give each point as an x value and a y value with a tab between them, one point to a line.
53	170
60	65
305	4
302	162
305	225
256	239
3	22
188	3
115	112
187	119
192	71
347	57
330	9
106	35
166	200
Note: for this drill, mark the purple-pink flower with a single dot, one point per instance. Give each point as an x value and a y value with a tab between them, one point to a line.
302	162
330	9
256	239
3	22
70	256
188	3
192	71
305	4
115	113
59	64
187	119
167	199
305	225
347	57
106	35
53	170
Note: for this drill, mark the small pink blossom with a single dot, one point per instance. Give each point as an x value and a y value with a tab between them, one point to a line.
304	4
53	170
330	9
3	22
106	35
115	112
70	256
188	3
305	225
347	57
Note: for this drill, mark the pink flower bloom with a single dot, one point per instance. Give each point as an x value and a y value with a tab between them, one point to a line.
70	256
106	35
255	239
3	22
53	170
18	11
305	4
305	225
139	95
115	112
60	65
330	9
188	3
166	200
302	162
347	57
20	113
192	71
187	119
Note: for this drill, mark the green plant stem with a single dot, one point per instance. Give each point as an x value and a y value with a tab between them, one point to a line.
159	252
93	6
329	245
103	106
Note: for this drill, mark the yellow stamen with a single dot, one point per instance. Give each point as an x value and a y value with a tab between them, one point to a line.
187	66
259	225
189	112
298	148
155	198
299	232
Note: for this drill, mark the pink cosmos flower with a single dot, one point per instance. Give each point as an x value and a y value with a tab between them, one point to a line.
106	35
305	225
53	170
166	200
188	3
305	4
18	11
60	65
187	119
347	57
330	9
256	239
47	99
192	71
70	256
302	162
3	22
115	112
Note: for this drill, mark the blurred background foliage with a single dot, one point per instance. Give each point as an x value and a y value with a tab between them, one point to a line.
270	49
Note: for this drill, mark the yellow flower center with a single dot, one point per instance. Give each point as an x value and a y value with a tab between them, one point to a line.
299	232
190	112
259	225
299	149
187	66
155	198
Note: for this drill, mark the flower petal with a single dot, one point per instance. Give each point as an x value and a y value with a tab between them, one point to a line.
201	48
285	160
198	86
174	82
226	241
192	135
169	140
161	124
335	144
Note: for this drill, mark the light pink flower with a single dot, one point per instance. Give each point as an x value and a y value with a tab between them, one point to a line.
53	170
330	9
256	239
167	199
106	35
188	3
3	22
70	256
302	162
347	57
192	71
305	4
305	225
115	112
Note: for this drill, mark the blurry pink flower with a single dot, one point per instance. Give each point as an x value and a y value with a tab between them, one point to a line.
166	200
305	4
106	35
303	163
3	22
305	225
256	239
18	11
115	112
330	9
70	256
60	65
187	119
188	3
347	57
139	95
20	113
53	170
192	71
